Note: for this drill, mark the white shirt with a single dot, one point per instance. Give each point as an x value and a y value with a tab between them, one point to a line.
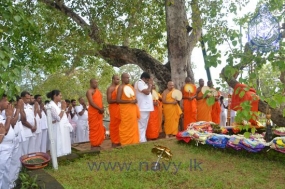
30	116
84	116
11	134
144	101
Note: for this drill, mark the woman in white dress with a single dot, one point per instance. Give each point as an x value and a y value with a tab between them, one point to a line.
60	124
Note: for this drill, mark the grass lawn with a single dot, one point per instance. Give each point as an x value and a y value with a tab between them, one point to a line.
131	167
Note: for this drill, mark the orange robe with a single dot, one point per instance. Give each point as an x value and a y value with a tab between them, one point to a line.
250	96
154	124
216	111
129	129
189	108
115	119
203	109
95	120
160	113
171	114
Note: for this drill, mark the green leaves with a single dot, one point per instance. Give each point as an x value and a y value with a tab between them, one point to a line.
210	101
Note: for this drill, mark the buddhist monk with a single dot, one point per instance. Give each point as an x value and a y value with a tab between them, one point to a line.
216	108
114	111
95	115
154	122
249	95
171	111
129	111
203	109
189	103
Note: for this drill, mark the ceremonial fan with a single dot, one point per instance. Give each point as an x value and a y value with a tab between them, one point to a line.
177	95
129	92
154	95
209	91
161	152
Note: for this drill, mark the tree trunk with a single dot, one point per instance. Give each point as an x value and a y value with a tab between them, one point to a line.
177	40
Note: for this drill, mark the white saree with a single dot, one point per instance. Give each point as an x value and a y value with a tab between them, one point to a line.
61	130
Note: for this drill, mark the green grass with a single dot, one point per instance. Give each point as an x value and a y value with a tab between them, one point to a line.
220	168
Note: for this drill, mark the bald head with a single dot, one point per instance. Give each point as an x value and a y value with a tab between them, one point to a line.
115	80
93	83
210	84
187	80
170	85
125	77
201	82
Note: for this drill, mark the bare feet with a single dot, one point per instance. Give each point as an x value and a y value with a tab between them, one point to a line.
95	148
116	145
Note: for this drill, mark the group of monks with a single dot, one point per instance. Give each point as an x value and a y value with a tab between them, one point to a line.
124	111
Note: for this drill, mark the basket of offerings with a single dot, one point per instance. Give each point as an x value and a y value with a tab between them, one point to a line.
280	131
35	160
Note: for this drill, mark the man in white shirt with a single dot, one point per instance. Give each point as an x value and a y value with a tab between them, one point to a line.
82	130
29	124
43	123
38	133
143	89
7	137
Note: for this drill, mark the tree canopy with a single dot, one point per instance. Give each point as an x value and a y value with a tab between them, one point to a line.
58	39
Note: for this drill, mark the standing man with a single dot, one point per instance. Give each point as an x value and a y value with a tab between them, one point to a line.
143	89
128	129
189	102
223	116
114	111
95	115
154	122
82	131
73	119
171	111
7	137
43	123
203	109
28	122
216	108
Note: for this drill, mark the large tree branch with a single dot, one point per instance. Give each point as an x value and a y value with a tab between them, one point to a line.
120	55
59	5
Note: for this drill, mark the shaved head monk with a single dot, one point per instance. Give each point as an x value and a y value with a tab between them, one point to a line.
203	109
189	102
95	115
114	111
171	111
129	111
154	122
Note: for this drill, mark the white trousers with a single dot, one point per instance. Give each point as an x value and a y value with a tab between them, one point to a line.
15	164
82	133
38	142
32	144
223	119
6	149
44	141
143	121
25	146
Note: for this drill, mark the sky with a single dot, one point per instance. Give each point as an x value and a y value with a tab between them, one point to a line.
197	56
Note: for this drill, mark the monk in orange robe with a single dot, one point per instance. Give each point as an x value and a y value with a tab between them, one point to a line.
160	115
114	111
189	103
250	96
216	108
203	109
95	115
171	111
129	111
154	122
